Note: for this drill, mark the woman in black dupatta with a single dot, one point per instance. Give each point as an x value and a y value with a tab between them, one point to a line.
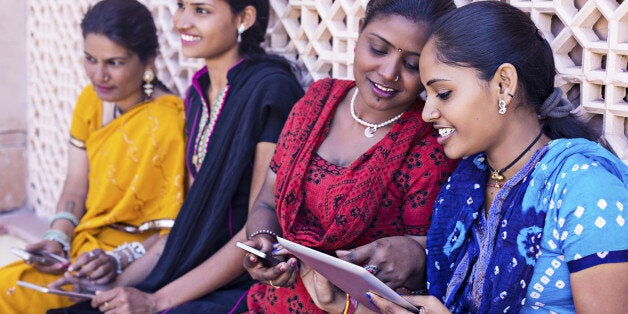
230	144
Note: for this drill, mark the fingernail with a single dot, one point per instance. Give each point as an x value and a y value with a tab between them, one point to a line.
276	244
283	268
275	251
294	264
368	296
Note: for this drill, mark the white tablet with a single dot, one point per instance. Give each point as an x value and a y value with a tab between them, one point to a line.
351	278
55	291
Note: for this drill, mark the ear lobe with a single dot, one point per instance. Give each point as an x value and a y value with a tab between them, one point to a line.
360	24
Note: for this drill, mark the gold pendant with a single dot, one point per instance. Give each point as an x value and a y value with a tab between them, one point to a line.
496	176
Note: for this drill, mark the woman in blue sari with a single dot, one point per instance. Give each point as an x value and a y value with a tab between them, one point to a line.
533	217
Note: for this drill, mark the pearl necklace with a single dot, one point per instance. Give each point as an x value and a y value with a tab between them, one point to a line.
371	128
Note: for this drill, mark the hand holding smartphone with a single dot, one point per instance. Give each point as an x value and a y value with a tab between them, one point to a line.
39	258
266	259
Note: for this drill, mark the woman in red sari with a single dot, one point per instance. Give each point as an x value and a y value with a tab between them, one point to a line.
355	165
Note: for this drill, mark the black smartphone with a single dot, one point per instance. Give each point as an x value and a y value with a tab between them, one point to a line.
39	258
267	259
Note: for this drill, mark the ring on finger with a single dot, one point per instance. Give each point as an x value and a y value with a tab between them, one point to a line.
271	283
372	269
106	305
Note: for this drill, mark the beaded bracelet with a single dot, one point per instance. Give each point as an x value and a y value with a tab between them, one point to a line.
67	216
129	256
132	251
58	236
262	231
118	260
137	249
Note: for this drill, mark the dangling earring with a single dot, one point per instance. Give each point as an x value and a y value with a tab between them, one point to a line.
149	76
240	31
502	106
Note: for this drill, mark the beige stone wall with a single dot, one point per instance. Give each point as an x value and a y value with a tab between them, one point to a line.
589	39
13	105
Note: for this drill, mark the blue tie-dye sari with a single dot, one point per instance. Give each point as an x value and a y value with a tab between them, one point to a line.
484	264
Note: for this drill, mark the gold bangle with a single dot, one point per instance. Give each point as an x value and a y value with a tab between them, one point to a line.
77	143
347	304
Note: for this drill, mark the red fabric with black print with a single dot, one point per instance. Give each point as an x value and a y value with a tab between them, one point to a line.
388	191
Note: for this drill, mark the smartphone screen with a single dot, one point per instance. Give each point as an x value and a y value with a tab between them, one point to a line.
55	291
267	260
39	258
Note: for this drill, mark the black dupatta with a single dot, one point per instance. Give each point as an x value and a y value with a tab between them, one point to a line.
207	219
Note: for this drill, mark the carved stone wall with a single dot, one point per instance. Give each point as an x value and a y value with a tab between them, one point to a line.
590	40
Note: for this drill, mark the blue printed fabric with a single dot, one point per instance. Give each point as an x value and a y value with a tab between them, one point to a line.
561	213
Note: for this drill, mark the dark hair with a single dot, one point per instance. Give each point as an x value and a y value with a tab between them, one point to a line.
253	37
418	11
484	35
127	23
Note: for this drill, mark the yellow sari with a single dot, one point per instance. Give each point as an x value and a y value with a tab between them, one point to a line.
136	175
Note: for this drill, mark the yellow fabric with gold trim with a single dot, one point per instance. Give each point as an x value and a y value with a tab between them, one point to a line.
136	175
137	165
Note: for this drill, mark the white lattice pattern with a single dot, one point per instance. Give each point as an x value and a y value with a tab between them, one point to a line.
590	40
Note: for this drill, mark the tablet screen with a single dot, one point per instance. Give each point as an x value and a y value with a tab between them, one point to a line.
351	278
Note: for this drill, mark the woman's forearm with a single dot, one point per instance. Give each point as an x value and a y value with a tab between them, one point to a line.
217	271
141	268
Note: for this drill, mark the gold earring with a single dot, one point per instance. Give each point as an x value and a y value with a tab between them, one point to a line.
148	77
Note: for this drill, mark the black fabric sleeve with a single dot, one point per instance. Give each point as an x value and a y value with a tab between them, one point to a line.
280	92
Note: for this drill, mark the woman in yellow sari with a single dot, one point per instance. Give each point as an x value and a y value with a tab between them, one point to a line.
125	179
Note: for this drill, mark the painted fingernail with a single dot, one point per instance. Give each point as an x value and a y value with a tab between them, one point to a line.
276	244
275	251
368	296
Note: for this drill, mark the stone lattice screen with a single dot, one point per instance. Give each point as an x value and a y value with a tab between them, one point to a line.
590	40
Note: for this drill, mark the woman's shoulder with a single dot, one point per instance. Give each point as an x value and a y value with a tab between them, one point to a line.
88	96
329	86
166	107
584	157
168	102
88	104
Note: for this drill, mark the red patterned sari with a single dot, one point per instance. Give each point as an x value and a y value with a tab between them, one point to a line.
388	191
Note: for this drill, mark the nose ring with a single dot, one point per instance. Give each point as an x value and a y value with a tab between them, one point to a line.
396	78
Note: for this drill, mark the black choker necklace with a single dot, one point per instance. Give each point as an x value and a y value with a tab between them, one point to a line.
498	175
117	111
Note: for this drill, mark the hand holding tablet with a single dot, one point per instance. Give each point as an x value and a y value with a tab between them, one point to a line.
351	278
